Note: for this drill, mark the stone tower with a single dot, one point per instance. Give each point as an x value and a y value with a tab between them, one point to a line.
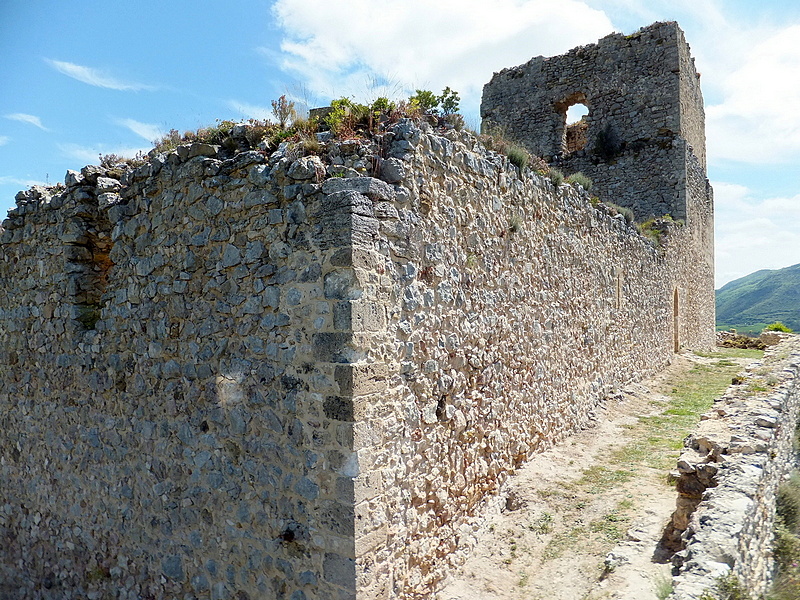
643	140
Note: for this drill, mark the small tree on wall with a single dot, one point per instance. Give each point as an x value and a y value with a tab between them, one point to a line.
607	144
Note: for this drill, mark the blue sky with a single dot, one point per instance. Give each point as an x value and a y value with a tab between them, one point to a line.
89	77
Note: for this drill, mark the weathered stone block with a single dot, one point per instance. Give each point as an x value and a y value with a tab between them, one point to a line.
332	347
339	570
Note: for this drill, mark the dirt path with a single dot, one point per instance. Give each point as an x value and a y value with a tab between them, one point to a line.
603	490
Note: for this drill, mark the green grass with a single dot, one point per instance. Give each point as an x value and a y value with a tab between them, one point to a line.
543	524
654	442
732	353
598	479
612	526
786	585
566	539
662	586
658	439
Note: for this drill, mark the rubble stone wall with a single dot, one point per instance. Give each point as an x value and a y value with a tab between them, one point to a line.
515	307
730	471
174	441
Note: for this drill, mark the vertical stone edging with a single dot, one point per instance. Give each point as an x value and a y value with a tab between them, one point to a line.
729	475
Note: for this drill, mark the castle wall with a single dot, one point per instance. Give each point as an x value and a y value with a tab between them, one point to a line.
241	378
515	308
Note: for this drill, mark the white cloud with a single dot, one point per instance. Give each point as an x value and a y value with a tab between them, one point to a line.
753	233
251	111
149	132
25	118
4	139
338	48
90	155
95	77
758	120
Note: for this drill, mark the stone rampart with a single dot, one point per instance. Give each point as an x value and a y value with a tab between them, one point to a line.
729	475
522	308
242	377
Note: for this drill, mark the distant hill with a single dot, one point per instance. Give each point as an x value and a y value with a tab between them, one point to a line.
763	297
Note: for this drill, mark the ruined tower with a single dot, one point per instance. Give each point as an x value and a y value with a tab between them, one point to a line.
643	140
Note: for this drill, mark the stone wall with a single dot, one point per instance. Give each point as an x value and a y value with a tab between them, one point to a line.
729	475
645	113
171	438
516	307
242	377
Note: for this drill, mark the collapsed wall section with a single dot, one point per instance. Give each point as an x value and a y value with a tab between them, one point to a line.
730	471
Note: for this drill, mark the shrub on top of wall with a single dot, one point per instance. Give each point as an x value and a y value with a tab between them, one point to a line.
620	210
518	156
581	180
556	176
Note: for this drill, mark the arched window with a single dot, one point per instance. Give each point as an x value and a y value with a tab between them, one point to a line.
574	112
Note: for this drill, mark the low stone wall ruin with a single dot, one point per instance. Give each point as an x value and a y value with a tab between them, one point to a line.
729	475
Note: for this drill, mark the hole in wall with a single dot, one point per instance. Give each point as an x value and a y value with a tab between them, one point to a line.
577	128
574	111
441	408
676	341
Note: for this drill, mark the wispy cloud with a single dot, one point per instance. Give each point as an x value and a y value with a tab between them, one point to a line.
26	183
95	77
149	132
91	154
251	111
4	139
25	118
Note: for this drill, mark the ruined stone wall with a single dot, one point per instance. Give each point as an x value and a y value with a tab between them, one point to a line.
730	471
512	308
244	377
645	106
179	443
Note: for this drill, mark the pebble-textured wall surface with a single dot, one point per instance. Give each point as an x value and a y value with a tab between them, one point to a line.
241	377
512	307
729	475
645	111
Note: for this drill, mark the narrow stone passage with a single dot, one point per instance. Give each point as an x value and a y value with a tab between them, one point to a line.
582	520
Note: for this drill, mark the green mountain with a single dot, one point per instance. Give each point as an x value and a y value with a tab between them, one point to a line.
763	297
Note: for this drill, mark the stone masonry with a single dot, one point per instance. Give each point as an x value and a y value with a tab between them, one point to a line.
232	375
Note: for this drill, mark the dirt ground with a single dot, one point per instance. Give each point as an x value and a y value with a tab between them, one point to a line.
582	522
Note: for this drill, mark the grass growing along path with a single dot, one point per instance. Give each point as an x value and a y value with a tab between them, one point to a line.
583	497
